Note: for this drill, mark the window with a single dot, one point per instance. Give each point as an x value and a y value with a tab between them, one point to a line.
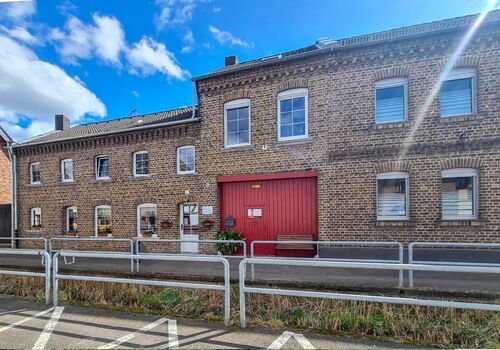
101	167
292	114
36	218
141	163
67	170
71	216
103	222
35	177
457	93
390	100
146	219
392	196
459	196
186	160
237	123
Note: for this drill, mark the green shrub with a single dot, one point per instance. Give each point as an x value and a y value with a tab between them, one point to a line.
228	235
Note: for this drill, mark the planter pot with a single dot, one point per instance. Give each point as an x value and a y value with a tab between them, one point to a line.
71	234
147	234
102	234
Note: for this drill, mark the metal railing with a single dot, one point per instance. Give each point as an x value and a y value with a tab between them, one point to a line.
355	244
32	252
226	288
413	245
51	250
35	239
211	241
359	297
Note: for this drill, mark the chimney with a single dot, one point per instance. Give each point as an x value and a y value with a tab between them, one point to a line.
230	61
62	122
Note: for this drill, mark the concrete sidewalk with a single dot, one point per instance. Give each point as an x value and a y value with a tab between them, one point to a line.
456	282
30	325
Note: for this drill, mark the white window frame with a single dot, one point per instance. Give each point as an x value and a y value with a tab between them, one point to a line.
32	182
67	216
463	172
388	83
62	170
394	175
95	218
135	165
461	73
96	158
244	102
289	94
179	163
139	207
32	217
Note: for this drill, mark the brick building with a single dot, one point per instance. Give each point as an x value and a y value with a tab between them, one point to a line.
5	184
386	136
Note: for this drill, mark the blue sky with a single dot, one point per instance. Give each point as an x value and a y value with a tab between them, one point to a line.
100	59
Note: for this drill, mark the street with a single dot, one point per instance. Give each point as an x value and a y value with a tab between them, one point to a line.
25	324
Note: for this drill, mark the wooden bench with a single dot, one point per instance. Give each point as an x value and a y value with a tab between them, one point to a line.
294	246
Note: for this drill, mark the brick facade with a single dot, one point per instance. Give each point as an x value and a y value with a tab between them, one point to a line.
5	174
344	146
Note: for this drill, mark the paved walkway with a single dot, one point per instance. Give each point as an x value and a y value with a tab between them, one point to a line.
31	325
325	276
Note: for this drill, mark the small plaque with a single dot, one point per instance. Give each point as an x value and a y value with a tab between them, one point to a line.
207	210
229	221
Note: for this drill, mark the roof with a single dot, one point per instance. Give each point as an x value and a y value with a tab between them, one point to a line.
324	45
143	121
4	135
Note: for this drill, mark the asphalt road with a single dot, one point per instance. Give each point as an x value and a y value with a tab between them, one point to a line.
25	324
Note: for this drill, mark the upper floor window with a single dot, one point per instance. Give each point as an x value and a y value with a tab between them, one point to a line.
459	197
186	160
457	93
35	177
67	170
392	196
391	100
146	220
36	218
101	167
103	222
71	216
292	114
237	123
141	163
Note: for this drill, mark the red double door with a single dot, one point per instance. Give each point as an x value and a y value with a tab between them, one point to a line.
264	205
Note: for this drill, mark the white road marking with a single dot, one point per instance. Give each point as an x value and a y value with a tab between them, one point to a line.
130	336
173	339
49	328
12	311
24	320
283	338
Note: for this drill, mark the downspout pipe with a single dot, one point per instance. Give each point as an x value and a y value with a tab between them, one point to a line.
13	211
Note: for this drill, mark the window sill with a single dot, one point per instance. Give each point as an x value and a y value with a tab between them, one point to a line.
32	230
395	223
238	148
67	183
393	125
461	223
108	236
34	185
459	118
303	141
154	236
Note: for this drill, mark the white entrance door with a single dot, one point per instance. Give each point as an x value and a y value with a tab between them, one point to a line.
189	227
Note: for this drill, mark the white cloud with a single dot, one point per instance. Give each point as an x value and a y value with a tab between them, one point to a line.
174	13
189	40
148	56
217	9
224	37
38	89
21	34
104	39
17	12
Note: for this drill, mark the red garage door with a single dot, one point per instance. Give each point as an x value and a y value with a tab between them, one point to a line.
265	205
